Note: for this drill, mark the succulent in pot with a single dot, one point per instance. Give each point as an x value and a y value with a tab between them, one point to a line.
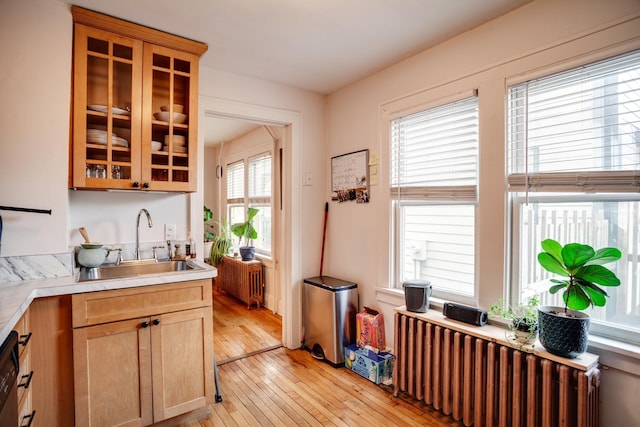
247	230
522	329
565	330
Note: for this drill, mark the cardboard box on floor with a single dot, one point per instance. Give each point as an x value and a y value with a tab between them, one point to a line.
375	366
370	329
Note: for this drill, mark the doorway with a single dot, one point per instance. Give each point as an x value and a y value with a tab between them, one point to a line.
287	268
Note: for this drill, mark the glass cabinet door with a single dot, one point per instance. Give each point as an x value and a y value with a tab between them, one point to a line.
106	104
168	154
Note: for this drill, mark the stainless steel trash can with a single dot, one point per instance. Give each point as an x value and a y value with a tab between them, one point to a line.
329	313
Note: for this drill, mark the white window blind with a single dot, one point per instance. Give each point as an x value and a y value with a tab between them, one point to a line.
434	157
434	153
577	130
260	178
235	182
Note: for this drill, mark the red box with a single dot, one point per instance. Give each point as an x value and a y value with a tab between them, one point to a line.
370	329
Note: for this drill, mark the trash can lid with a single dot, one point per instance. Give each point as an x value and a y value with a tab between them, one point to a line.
330	283
417	283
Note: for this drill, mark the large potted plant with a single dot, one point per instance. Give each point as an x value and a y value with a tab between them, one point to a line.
247	230
564	331
522	329
221	242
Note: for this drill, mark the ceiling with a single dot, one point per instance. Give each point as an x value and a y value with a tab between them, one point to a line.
316	45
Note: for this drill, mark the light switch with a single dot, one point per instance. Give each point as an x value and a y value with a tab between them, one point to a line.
307	178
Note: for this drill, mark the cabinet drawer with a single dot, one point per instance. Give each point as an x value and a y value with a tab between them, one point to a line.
109	306
24	375
24	332
26	414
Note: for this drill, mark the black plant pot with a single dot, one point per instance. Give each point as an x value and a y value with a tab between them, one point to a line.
566	336
247	252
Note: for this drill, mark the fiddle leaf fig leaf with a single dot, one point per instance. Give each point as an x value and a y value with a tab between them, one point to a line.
555	288
600	275
553	248
597	295
575	255
576	298
550	263
605	256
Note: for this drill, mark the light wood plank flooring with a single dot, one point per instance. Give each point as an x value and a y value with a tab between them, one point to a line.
281	387
238	332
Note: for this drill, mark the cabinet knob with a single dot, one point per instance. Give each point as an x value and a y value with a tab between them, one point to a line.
144	324
145	185
136	184
156	322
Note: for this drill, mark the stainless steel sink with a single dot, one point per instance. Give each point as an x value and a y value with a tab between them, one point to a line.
128	269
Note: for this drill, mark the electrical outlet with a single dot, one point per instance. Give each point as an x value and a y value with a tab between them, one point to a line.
169	232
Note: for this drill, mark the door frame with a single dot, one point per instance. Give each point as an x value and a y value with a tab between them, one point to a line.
288	268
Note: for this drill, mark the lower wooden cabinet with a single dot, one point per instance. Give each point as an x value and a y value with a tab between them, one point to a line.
143	370
26	412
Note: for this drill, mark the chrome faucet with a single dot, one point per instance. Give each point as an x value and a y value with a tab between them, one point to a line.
146	212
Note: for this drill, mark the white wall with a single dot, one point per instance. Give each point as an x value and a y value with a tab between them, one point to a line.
542	33
35	83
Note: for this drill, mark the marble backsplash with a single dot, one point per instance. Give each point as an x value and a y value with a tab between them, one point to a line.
34	267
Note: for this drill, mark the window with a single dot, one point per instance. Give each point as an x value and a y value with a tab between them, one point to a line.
260	197
434	156
574	166
235	192
254	181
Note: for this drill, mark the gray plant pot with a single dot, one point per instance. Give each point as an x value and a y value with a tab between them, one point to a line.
247	252
565	336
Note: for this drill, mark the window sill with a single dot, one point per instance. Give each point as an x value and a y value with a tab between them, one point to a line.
616	354
613	353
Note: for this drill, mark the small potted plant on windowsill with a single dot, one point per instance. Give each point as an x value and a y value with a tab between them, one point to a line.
247	230
522	329
564	331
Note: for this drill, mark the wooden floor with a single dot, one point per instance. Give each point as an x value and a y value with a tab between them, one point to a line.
238	332
281	387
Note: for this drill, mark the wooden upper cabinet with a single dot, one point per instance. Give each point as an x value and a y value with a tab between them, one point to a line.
135	106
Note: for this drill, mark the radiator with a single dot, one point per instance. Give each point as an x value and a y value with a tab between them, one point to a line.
242	279
483	382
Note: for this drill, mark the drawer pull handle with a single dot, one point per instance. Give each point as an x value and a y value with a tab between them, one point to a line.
156	322
144	324
24	339
28	382
30	417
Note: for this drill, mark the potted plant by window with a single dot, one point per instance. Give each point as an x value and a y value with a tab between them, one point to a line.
564	331
522	330
246	229
221	242
209	231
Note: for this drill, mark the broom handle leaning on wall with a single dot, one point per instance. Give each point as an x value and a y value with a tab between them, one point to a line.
324	233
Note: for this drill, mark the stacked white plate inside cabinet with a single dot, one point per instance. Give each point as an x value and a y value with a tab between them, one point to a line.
98	136
103	109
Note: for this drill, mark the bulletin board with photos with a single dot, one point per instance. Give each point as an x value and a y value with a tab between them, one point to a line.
350	177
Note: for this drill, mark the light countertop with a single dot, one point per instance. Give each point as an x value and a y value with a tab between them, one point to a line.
15	297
